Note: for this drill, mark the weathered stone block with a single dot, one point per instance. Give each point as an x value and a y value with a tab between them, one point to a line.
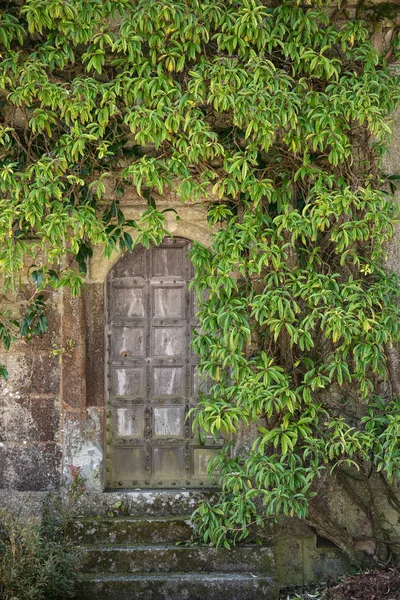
34	467
169	559
74	366
22	504
30	374
131	530
142	502
83	445
328	563
193	586
95	321
29	419
45	378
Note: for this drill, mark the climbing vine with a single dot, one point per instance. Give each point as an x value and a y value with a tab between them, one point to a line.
275	114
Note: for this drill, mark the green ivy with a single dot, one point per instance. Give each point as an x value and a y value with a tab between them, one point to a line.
277	115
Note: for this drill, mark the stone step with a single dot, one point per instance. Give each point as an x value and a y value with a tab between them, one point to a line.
193	586
151	503
187	559
130	530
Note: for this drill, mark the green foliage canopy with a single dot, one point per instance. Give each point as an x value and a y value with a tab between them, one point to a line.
276	115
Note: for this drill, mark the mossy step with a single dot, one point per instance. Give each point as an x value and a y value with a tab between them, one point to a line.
168	558
151	503
130	530
198	586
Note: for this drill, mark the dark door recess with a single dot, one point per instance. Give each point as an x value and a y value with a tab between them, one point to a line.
152	375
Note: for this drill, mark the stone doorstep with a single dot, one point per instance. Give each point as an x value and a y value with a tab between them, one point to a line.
141	502
131	530
177	586
135	555
257	560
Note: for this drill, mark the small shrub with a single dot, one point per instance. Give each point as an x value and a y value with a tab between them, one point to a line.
37	562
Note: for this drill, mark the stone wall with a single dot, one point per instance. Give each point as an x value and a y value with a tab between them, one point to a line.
52	406
30	410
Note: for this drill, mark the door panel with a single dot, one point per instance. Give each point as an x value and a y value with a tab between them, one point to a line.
128	301
130	421
152	375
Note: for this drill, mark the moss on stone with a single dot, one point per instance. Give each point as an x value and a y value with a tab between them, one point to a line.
382	11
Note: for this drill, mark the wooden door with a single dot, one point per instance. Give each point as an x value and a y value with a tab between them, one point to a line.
152	376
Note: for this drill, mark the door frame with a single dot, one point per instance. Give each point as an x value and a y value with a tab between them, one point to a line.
202	482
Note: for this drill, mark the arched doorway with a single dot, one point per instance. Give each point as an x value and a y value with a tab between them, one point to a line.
151	372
